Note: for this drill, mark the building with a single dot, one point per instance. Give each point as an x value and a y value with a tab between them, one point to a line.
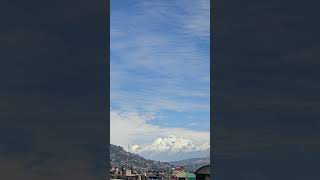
203	173
175	171
185	176
124	174
155	175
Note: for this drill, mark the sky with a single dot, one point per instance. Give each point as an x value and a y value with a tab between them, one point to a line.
160	72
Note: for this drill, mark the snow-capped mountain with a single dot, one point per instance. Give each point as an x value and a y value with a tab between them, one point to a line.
172	148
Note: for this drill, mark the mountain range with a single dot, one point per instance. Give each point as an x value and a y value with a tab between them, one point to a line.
172	148
119	157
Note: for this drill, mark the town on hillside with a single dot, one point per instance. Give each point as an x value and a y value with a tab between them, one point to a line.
176	173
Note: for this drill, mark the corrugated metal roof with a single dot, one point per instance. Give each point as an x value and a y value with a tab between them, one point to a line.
186	174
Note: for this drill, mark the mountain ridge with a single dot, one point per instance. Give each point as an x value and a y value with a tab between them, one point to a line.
121	158
192	164
172	148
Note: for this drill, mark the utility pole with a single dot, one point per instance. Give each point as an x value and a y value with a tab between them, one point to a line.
127	157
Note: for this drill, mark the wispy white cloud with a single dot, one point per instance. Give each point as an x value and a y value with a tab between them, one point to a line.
169	74
191	18
129	128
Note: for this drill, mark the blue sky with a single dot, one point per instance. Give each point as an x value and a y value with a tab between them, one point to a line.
159	70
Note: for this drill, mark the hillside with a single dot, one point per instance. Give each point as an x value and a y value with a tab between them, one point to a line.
119	157
192	164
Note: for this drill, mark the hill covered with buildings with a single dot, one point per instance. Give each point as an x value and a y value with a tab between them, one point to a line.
121	158
192	164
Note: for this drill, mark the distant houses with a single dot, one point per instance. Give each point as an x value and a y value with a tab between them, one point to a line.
177	173
130	174
186	176
154	175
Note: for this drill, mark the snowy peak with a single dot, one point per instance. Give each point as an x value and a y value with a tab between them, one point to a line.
170	143
171	146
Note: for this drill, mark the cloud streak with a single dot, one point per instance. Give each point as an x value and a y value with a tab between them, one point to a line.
129	127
